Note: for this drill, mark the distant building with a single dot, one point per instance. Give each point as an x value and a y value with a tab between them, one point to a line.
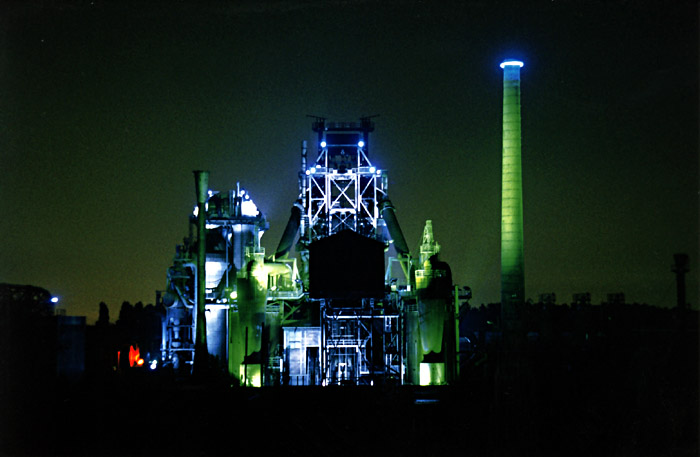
37	346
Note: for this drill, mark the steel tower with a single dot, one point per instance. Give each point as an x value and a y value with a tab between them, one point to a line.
344	202
340	190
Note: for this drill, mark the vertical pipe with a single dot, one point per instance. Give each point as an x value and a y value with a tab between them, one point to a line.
455	322
236	345
304	148
264	354
201	182
386	209
512	274
302	173
245	362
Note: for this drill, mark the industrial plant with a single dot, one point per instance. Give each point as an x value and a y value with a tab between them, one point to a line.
343	301
355	306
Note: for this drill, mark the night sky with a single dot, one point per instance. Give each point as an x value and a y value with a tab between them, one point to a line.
106	108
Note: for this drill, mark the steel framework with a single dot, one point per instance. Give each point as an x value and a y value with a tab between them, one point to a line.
361	345
341	189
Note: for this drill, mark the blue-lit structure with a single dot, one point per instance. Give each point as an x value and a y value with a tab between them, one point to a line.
340	301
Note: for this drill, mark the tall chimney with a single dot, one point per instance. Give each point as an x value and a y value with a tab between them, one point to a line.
512	275
201	355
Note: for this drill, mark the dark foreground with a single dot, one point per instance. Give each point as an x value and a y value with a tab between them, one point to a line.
146	414
599	381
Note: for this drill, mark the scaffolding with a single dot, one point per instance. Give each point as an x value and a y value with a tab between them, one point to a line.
361	345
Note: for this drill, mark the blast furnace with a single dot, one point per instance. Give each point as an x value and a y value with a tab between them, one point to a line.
340	301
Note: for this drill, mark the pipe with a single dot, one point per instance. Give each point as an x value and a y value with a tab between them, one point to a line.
201	183
245	362
512	271
303	155
277	269
302	172
302	178
387	210
290	231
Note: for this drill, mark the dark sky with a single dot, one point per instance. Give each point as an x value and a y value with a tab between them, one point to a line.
106	108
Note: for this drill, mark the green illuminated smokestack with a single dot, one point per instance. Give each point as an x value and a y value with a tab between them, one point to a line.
512	275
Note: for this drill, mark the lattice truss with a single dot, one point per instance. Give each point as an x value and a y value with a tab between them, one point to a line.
342	192
360	345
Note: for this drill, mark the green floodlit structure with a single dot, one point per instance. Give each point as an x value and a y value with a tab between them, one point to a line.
340	301
512	272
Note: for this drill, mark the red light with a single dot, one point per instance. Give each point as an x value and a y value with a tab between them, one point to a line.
134	355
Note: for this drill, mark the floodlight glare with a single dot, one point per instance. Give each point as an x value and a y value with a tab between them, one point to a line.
508	63
361	144
248	208
54	299
323	144
372	169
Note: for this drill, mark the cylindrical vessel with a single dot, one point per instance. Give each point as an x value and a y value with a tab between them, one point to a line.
217	324
236	345
252	298
431	311
414	354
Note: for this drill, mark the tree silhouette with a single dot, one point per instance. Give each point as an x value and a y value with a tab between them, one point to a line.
103	319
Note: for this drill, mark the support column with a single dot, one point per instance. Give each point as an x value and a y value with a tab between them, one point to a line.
201	354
